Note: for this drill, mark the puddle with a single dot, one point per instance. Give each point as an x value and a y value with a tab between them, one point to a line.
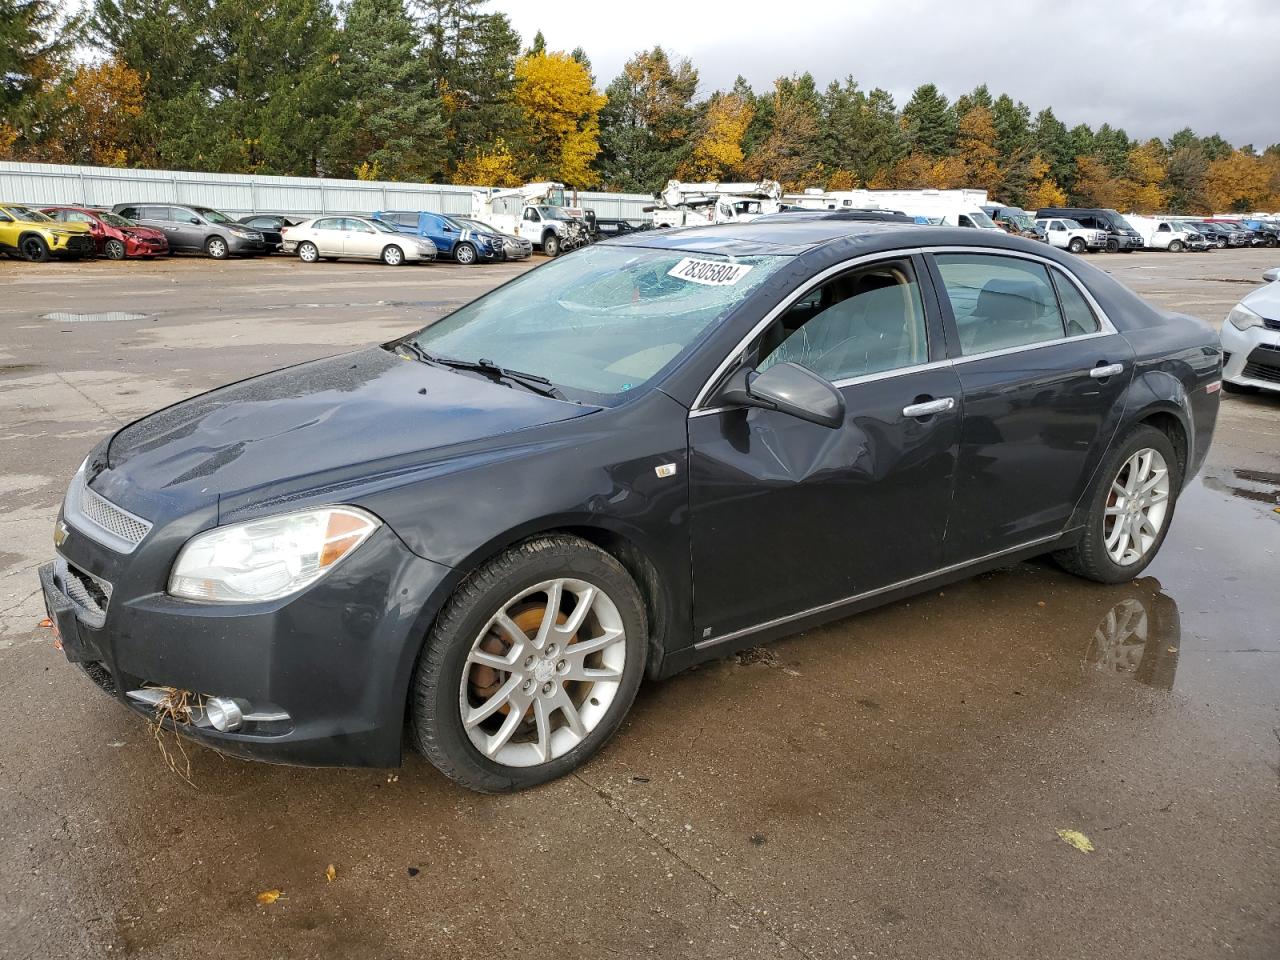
1138	637
109	317
1268	482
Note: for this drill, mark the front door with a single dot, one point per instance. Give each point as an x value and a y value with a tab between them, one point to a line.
1041	376
531	225
361	240
788	515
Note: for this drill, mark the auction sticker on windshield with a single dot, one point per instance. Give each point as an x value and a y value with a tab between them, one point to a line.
712	273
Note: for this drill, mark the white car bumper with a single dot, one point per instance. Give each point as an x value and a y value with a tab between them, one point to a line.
1251	358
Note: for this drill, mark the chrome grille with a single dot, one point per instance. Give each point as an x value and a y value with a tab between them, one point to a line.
102	520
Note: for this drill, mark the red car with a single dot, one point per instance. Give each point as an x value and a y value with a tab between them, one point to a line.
115	237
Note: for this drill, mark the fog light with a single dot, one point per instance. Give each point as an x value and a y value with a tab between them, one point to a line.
224	714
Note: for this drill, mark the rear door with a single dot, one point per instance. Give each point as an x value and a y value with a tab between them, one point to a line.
1041	372
187	226
327	236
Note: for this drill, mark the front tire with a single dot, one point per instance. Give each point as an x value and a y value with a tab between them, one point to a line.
308	252
551	245
530	667
216	248
114	249
1129	512
1175	246
1076	245
34	249
392	255
464	254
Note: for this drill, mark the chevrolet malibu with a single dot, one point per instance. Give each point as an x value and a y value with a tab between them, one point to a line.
482	537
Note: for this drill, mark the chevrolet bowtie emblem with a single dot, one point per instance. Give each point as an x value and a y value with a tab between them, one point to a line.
60	534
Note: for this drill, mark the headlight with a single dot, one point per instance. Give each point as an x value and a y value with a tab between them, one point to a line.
269	558
1242	318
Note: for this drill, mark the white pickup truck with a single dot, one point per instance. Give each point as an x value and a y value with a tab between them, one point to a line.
536	212
1068	235
1161	233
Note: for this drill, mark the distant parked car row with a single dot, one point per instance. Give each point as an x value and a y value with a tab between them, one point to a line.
130	230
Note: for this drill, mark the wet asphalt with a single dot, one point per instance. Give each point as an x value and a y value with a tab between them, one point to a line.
891	785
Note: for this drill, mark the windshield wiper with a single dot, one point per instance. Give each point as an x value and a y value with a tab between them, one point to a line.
530	381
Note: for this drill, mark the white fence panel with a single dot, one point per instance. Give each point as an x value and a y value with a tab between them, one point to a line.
47	183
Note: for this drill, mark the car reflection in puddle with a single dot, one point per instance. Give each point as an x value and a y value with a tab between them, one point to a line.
1139	636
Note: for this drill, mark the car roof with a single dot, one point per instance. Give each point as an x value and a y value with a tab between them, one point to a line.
792	237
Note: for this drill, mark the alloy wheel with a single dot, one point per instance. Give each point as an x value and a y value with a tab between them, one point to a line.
1137	505
217	248
115	250
392	256
543	672
465	254
307	253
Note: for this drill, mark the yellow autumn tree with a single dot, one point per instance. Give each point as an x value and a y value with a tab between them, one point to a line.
1043	191
717	150
842	180
1147	172
1238	181
1097	186
106	101
496	167
975	142
918	171
561	117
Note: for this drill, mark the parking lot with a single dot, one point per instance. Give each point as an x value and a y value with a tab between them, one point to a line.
891	785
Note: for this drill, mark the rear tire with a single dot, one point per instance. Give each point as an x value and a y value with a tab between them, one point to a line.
505	750
1076	245
308	253
1091	557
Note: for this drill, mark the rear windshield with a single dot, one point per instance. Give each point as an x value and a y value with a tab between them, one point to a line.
602	321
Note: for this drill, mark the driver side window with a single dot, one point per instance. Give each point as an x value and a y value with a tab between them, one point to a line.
868	320
532	215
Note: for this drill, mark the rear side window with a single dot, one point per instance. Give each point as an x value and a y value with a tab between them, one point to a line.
331	223
156	213
1076	312
999	302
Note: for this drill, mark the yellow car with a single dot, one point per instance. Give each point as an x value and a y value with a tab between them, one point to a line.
29	234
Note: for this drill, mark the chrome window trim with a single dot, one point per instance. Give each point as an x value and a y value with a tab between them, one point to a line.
785	305
1106	327
868	594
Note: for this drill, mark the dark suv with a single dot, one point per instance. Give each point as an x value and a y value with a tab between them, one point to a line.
196	229
1120	236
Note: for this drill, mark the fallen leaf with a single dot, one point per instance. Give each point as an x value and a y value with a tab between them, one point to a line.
46	622
267	897
331	873
1173	649
414	871
1039	603
1077	840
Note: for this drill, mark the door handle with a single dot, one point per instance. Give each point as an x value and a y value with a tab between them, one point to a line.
929	407
1110	370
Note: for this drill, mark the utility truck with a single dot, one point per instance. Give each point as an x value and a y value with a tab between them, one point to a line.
954	208
536	212
1160	233
699	204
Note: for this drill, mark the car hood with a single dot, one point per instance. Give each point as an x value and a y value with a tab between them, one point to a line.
1265	301
329	424
141	231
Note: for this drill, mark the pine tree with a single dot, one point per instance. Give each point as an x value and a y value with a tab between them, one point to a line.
472	54
791	152
929	122
647	121
389	113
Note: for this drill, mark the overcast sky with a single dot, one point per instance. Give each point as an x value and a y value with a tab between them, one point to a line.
1132	63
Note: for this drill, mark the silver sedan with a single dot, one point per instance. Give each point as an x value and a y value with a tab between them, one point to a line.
361	238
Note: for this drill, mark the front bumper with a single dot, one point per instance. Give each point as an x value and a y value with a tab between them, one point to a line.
1251	358
242	245
329	667
146	246
81	245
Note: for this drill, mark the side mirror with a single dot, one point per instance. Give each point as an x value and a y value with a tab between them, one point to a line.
791	389
1272	275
